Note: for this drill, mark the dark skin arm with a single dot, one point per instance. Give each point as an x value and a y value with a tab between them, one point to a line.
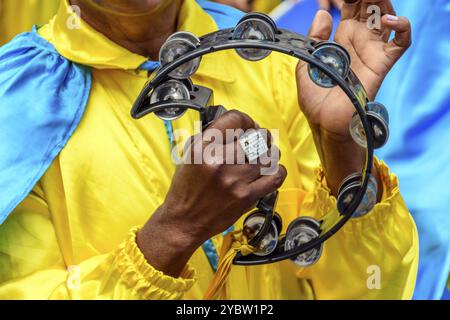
205	200
329	110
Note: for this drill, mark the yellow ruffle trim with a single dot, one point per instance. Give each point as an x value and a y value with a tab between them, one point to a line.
149	283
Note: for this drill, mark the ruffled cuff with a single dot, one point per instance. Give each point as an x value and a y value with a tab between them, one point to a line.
149	283
322	204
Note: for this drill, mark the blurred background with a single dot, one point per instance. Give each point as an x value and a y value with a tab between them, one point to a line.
416	93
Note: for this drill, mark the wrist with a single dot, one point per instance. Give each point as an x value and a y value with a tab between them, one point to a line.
339	154
165	246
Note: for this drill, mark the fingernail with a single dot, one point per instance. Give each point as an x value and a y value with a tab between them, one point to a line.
391	17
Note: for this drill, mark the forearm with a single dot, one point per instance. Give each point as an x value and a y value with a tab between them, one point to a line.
340	157
166	249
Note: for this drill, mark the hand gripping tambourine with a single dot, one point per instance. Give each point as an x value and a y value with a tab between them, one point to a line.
171	92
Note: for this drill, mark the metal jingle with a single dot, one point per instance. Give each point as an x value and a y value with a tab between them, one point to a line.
379	109
308	221
278	222
254	28
346	195
260	16
369	200
380	129
379	126
357	132
176	46
354	177
186	35
348	191
253	225
302	230
333	55
170	90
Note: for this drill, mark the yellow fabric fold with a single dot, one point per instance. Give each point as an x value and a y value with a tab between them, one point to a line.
149	283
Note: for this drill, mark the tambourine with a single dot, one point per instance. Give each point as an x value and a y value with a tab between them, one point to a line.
171	92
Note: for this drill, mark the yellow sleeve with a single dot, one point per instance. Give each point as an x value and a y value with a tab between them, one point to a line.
265	6
32	266
372	257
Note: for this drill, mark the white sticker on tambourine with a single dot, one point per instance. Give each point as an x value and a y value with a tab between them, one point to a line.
253	144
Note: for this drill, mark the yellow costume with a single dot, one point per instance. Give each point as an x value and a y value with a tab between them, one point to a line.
19	16
73	237
265	6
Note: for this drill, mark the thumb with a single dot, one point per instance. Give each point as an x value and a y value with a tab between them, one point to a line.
320	30
324	4
322	26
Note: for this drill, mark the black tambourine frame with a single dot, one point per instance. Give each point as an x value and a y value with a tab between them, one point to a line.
300	47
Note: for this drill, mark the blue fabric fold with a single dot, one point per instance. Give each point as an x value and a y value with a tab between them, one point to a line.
224	16
417	94
42	99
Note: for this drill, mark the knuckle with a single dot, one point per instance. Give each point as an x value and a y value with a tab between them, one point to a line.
280	176
235	115
243	194
243	119
227	183
276	182
407	22
213	169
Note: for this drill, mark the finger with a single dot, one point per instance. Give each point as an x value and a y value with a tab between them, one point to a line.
324	4
267	184
322	26
371	7
386	32
390	9
403	35
267	164
233	119
351	9
338	3
320	30
190	143
269	161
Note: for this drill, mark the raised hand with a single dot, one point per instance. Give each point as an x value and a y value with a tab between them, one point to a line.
373	54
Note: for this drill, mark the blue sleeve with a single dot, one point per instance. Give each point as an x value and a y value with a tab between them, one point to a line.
42	99
224	16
